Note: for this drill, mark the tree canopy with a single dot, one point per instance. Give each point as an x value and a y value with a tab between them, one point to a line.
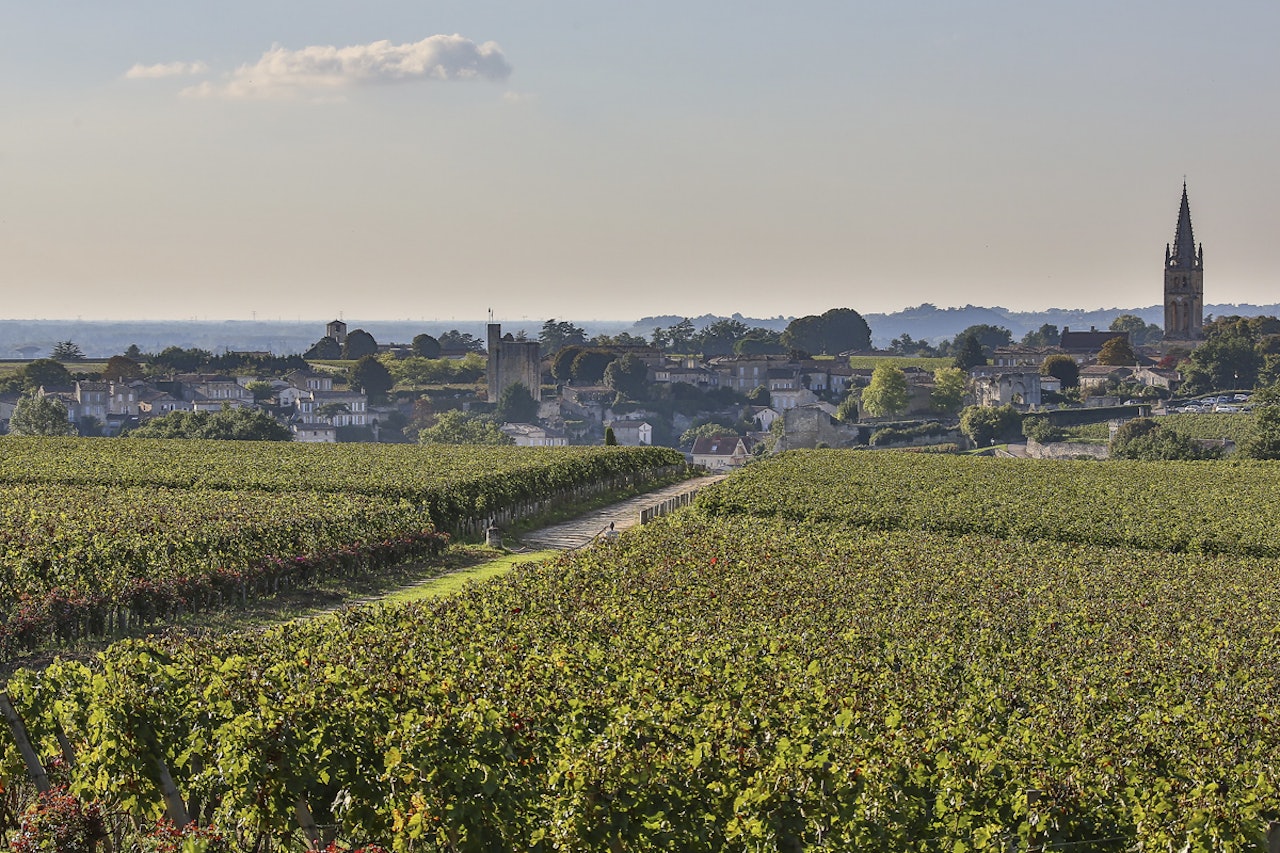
589	364
37	415
886	395
358	344
949	384
1140	332
833	331
459	427
557	334
628	376
66	351
1143	438
516	404
44	372
1117	351
969	352
425	346
326	348
1064	368
455	340
121	368
989	338
985	424
1265	443
371	376
1048	335
241	424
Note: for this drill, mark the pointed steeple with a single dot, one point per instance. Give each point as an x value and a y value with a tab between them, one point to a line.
1183	255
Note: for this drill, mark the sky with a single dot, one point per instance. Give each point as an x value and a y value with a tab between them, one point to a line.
607	160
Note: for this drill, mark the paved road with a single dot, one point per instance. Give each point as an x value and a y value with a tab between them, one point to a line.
581	531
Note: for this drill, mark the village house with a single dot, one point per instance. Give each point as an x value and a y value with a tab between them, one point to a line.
1095	377
532	435
722	453
1085	346
1019	356
632	433
337	408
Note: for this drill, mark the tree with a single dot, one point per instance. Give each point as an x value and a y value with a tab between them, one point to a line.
760	342
1047	335
558	334
180	360
949	384
707	430
227	424
589	364
1039	429
988	336
758	396
37	415
425	346
1223	362
44	373
1063	367
720	337
371	376
1265	443
677	337
133	352
455	340
66	351
969	352
358	344
260	390
847	411
628	376
886	395
459	427
984	424
1143	438
121	368
516	405
833	331
610	440
325	348
1117	351
1140	332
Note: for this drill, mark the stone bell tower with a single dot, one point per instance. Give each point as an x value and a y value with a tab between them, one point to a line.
1183	280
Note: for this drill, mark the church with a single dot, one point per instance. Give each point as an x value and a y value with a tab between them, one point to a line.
1183	280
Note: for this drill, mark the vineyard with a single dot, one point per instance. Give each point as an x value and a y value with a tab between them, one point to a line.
769	671
1213	507
1239	427
96	537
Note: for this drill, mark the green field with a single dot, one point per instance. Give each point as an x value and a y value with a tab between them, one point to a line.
870	362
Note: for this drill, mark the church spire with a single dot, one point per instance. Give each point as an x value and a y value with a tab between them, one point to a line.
1184	254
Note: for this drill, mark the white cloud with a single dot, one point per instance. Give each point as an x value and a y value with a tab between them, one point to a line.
324	70
165	69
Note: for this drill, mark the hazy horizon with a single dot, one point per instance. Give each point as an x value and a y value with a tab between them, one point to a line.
399	159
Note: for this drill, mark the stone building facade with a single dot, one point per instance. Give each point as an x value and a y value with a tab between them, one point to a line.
512	361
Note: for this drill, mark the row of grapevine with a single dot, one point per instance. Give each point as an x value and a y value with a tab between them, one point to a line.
1210	507
99	536
450	481
716	683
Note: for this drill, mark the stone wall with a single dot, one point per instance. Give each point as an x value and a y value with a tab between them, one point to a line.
1066	450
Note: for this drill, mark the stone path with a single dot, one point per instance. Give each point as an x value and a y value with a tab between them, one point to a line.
582	531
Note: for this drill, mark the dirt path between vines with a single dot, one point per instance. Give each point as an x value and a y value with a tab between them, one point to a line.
570	535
